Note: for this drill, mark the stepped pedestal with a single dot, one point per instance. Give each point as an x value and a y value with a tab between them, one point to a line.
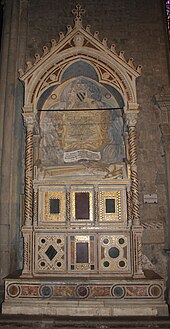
85	296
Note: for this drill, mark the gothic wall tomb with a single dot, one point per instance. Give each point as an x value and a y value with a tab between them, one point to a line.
89	182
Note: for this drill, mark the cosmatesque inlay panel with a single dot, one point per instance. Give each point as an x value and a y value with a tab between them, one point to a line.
50	250
114	253
82	253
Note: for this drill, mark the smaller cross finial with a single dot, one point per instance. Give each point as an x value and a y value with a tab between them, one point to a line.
78	11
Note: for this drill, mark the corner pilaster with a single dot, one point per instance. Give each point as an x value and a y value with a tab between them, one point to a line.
133	196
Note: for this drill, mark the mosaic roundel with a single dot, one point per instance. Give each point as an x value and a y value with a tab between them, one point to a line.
42	264
46	291
14	290
118	291
106	241
121	241
113	252
58	264
122	264
155	290
106	263
82	291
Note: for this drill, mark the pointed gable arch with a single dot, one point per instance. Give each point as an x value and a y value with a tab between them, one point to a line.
79	47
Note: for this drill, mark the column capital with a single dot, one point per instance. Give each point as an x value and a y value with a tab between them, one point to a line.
29	121
131	118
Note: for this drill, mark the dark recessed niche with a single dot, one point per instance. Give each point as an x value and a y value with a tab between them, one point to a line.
110	206
54	206
82	205
82	252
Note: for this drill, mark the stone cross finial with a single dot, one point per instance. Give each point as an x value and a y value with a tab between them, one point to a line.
78	11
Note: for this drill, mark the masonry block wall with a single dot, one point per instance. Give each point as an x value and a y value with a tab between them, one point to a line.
139	28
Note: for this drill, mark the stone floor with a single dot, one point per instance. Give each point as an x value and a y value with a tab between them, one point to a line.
25	322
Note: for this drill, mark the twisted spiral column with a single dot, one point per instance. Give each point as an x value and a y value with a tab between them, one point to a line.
28	170
131	120
133	198
28	177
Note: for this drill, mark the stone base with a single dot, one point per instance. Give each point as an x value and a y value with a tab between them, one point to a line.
84	308
85	297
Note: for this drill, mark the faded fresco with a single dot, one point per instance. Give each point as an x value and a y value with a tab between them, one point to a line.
81	123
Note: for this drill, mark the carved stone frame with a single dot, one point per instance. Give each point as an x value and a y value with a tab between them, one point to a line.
80	43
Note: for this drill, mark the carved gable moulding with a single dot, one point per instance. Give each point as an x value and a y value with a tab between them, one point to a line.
79	43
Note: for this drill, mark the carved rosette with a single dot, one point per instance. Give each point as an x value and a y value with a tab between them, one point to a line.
131	122
29	124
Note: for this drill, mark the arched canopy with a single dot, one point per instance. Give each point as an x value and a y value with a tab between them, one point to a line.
79	53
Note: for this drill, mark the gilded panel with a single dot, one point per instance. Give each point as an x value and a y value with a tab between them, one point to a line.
56	216
105	214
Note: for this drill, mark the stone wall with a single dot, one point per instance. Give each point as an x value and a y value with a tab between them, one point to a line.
138	28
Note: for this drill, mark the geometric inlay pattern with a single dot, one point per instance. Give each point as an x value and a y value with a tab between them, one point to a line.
82	253
114	253
50	253
145	290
